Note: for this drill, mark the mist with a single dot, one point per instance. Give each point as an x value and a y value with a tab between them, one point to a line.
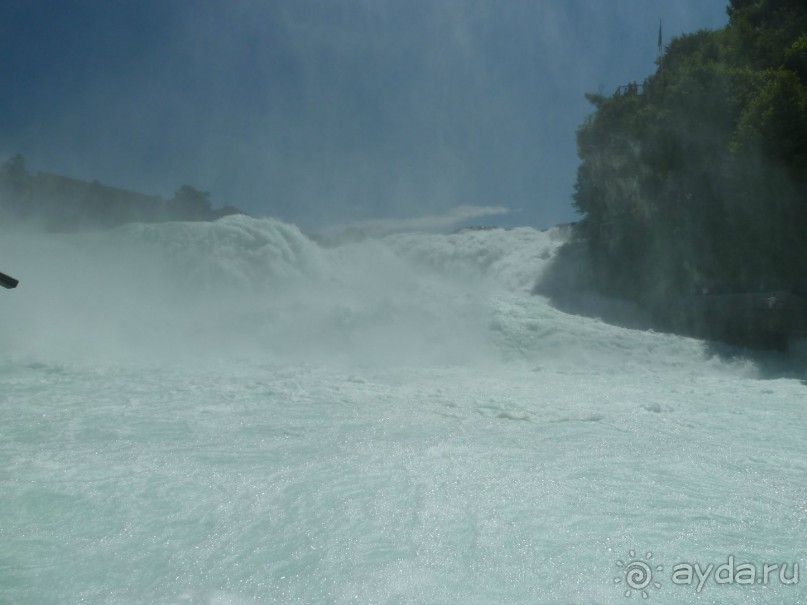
386	383
260	290
321	113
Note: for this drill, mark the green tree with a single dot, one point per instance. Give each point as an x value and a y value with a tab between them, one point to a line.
190	204
703	176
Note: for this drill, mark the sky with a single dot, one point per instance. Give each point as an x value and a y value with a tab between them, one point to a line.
327	113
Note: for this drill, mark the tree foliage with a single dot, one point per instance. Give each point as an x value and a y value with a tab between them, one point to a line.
61	203
701	176
189	203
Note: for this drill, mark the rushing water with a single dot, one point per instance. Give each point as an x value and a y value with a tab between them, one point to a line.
230	413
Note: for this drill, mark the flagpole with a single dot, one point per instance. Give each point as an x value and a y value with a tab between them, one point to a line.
660	48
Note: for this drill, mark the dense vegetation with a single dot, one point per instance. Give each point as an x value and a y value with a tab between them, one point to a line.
60	203
699	176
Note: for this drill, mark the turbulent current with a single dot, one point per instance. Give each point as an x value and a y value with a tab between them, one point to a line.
229	412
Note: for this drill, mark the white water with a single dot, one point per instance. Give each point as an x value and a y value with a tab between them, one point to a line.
228	413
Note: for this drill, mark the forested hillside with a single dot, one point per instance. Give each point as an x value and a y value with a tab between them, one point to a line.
60	203
699	176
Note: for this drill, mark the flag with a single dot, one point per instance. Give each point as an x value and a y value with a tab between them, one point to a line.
659	35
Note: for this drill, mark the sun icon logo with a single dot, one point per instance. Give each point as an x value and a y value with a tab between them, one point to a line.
638	574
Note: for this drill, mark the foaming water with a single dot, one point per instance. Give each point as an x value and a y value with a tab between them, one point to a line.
228	413
260	290
236	287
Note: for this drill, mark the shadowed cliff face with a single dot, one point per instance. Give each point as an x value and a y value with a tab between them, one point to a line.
758	316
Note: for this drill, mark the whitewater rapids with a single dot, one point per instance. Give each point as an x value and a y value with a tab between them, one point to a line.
229	412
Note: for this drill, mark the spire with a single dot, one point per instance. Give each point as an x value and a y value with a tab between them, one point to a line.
659	37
